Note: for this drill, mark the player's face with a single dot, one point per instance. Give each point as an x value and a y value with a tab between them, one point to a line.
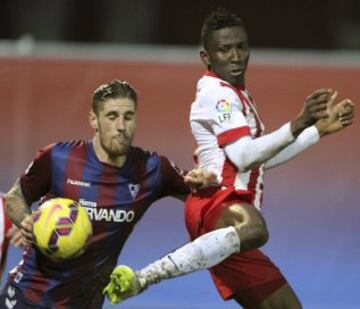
116	124
228	54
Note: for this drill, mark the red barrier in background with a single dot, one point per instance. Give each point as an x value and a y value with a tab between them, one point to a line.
46	100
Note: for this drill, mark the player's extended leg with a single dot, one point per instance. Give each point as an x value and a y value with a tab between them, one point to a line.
243	229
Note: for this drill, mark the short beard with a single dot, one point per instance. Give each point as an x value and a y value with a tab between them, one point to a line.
115	154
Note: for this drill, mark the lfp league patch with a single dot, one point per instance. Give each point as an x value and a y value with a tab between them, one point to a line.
223	109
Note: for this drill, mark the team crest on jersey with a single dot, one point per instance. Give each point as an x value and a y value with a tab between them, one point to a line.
134	189
223	109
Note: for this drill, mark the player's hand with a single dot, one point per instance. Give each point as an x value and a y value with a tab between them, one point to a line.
123	284
315	108
199	178
26	227
15	236
340	116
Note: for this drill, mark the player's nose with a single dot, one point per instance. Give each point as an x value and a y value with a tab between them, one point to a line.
235	55
120	124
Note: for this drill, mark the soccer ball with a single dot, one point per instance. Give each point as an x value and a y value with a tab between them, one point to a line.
61	229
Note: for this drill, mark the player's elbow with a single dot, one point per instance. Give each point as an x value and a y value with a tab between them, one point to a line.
245	162
247	166
242	163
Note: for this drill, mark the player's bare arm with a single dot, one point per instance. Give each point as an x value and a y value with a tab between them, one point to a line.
18	210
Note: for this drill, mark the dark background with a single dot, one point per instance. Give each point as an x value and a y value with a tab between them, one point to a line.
322	24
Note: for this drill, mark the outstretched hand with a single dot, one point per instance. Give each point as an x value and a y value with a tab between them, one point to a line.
123	284
199	178
340	116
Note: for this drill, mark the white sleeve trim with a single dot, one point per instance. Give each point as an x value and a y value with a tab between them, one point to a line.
307	138
247	153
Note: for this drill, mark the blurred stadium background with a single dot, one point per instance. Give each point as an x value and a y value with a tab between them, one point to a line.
54	53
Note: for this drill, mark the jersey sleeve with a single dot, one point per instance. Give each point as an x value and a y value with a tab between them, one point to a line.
221	110
172	179
307	138
35	182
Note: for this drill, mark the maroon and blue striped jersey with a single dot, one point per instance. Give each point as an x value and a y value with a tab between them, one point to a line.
115	199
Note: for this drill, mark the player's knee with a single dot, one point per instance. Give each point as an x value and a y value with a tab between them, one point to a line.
249	224
257	235
253	234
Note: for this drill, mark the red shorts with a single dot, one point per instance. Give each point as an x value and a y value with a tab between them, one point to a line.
249	277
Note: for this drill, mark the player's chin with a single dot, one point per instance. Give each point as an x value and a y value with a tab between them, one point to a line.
235	79
119	150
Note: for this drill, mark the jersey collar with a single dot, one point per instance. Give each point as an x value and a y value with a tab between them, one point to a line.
213	74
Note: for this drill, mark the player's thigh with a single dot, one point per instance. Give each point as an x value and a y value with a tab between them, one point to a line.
235	213
284	298
248	222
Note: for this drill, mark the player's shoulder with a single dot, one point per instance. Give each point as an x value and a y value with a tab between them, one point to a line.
151	159
143	155
212	89
64	147
74	144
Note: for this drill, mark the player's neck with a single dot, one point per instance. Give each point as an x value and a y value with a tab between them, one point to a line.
104	157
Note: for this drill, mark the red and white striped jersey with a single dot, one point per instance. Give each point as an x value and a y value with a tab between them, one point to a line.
5	225
221	114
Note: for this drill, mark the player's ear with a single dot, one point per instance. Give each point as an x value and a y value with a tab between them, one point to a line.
205	58
93	120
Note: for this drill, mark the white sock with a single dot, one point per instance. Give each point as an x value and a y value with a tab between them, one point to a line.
204	252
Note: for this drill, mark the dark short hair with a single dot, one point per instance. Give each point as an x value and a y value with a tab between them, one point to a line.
113	90
218	19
